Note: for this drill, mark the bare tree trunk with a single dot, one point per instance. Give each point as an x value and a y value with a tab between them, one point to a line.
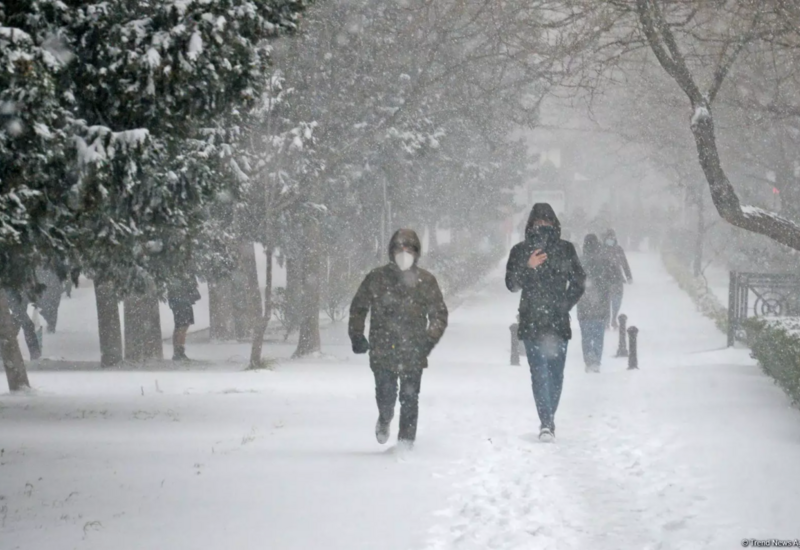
108	323
13	363
701	234
250	270
755	220
142	328
263	323
220	305
789	188
310	272
246	296
433	245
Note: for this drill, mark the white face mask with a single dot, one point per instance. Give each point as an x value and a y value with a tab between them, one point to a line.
404	260
611	242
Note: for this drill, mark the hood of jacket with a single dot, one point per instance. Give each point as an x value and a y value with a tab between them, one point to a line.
405	238
591	245
542	211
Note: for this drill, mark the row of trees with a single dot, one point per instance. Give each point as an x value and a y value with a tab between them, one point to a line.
143	140
117	125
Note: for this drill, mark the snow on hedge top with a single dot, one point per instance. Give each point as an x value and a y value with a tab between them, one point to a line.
790	325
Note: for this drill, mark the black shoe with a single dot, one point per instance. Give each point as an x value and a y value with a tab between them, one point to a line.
179	356
382	431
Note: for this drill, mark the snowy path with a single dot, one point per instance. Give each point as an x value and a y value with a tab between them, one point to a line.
695	450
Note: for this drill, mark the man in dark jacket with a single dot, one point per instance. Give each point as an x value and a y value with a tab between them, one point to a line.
182	294
548	272
408	316
620	273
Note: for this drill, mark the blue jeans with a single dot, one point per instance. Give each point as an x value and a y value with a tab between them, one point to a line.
546	357
592	334
617	291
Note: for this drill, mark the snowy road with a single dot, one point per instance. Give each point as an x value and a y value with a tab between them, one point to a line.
696	450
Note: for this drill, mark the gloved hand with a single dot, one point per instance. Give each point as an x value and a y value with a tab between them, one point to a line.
428	346
360	344
630	281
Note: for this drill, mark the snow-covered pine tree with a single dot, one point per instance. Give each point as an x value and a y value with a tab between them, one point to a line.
156	78
123	91
33	165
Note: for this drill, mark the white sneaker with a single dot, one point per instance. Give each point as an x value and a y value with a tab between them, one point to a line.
546	435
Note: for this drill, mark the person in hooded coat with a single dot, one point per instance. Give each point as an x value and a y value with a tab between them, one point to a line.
593	309
548	272
408	317
621	272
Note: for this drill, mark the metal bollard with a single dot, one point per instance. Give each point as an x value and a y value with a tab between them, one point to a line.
514	345
633	358
622	351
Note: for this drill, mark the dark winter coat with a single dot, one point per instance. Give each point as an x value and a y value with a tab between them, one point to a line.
616	257
620	270
550	291
408	315
182	292
594	304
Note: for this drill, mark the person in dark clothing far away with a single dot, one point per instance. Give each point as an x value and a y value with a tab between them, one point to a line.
548	272
182	294
593	309
621	272
408	317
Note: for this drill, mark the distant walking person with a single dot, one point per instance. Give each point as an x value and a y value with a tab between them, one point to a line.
408	317
621	272
548	272
593	309
182	294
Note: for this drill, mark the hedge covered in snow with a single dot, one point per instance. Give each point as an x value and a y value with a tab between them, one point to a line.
775	343
697	288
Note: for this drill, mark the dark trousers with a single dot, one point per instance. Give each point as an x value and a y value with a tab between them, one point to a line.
386	382
617	291
19	312
546	358
592	336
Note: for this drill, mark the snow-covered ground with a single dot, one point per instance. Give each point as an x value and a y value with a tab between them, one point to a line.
696	450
